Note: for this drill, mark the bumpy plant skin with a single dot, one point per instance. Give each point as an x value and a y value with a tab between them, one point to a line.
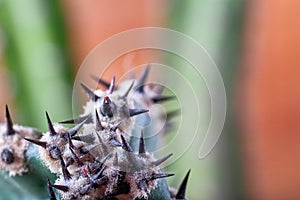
13	147
94	159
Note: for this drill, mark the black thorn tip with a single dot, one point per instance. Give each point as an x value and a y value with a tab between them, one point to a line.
112	85
159	161
101	81
142	149
128	90
161	99
84	138
76	120
89	92
65	171
37	142
182	189
51	191
61	187
9	123
126	145
99	126
50	125
157	176
133	112
142	79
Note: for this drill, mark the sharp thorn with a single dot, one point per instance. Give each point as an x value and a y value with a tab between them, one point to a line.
159	161
142	149
87	149
112	85
115	143
98	175
78	120
9	123
76	128
133	112
99	126
128	90
101	81
89	92
65	171
61	187
69	161
142	80
37	142
161	99
126	145
182	189
157	176
51	191
84	138
50	125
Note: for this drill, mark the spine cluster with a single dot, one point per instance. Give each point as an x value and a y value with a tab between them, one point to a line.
94	159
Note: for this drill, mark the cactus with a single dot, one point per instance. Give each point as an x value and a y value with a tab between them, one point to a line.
96	158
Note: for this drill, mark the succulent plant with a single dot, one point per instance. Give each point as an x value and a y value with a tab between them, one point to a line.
96	158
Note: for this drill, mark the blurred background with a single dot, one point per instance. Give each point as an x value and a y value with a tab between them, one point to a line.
254	43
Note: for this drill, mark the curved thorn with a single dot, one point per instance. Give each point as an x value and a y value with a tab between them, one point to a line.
51	191
142	149
126	145
160	99
89	92
133	112
159	161
9	123
112	85
77	120
181	191
37	142
157	176
101	81
50	125
142	80
128	90
99	126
